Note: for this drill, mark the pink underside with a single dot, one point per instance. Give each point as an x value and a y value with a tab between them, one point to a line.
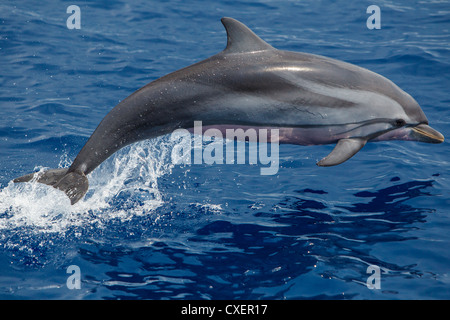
300	136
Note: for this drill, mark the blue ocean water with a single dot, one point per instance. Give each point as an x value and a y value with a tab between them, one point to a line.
149	229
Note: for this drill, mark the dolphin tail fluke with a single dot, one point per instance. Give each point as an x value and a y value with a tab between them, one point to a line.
344	150
74	184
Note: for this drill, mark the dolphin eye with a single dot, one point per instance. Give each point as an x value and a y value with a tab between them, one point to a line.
400	122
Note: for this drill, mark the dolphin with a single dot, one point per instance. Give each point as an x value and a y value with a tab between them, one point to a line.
311	99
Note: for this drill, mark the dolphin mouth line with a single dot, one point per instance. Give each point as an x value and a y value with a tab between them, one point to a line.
425	133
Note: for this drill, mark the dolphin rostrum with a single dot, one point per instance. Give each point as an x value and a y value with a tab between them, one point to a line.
311	100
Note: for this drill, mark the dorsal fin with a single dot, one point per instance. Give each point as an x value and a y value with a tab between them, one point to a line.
241	38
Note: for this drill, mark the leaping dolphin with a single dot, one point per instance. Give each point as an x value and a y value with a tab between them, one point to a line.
311	99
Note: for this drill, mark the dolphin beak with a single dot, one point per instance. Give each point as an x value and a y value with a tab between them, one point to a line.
425	133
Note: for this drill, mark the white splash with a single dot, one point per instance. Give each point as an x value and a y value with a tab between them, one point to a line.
130	178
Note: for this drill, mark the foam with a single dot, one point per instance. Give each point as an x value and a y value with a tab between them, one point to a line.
129	178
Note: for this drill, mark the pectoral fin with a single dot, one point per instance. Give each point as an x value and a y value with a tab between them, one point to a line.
344	150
